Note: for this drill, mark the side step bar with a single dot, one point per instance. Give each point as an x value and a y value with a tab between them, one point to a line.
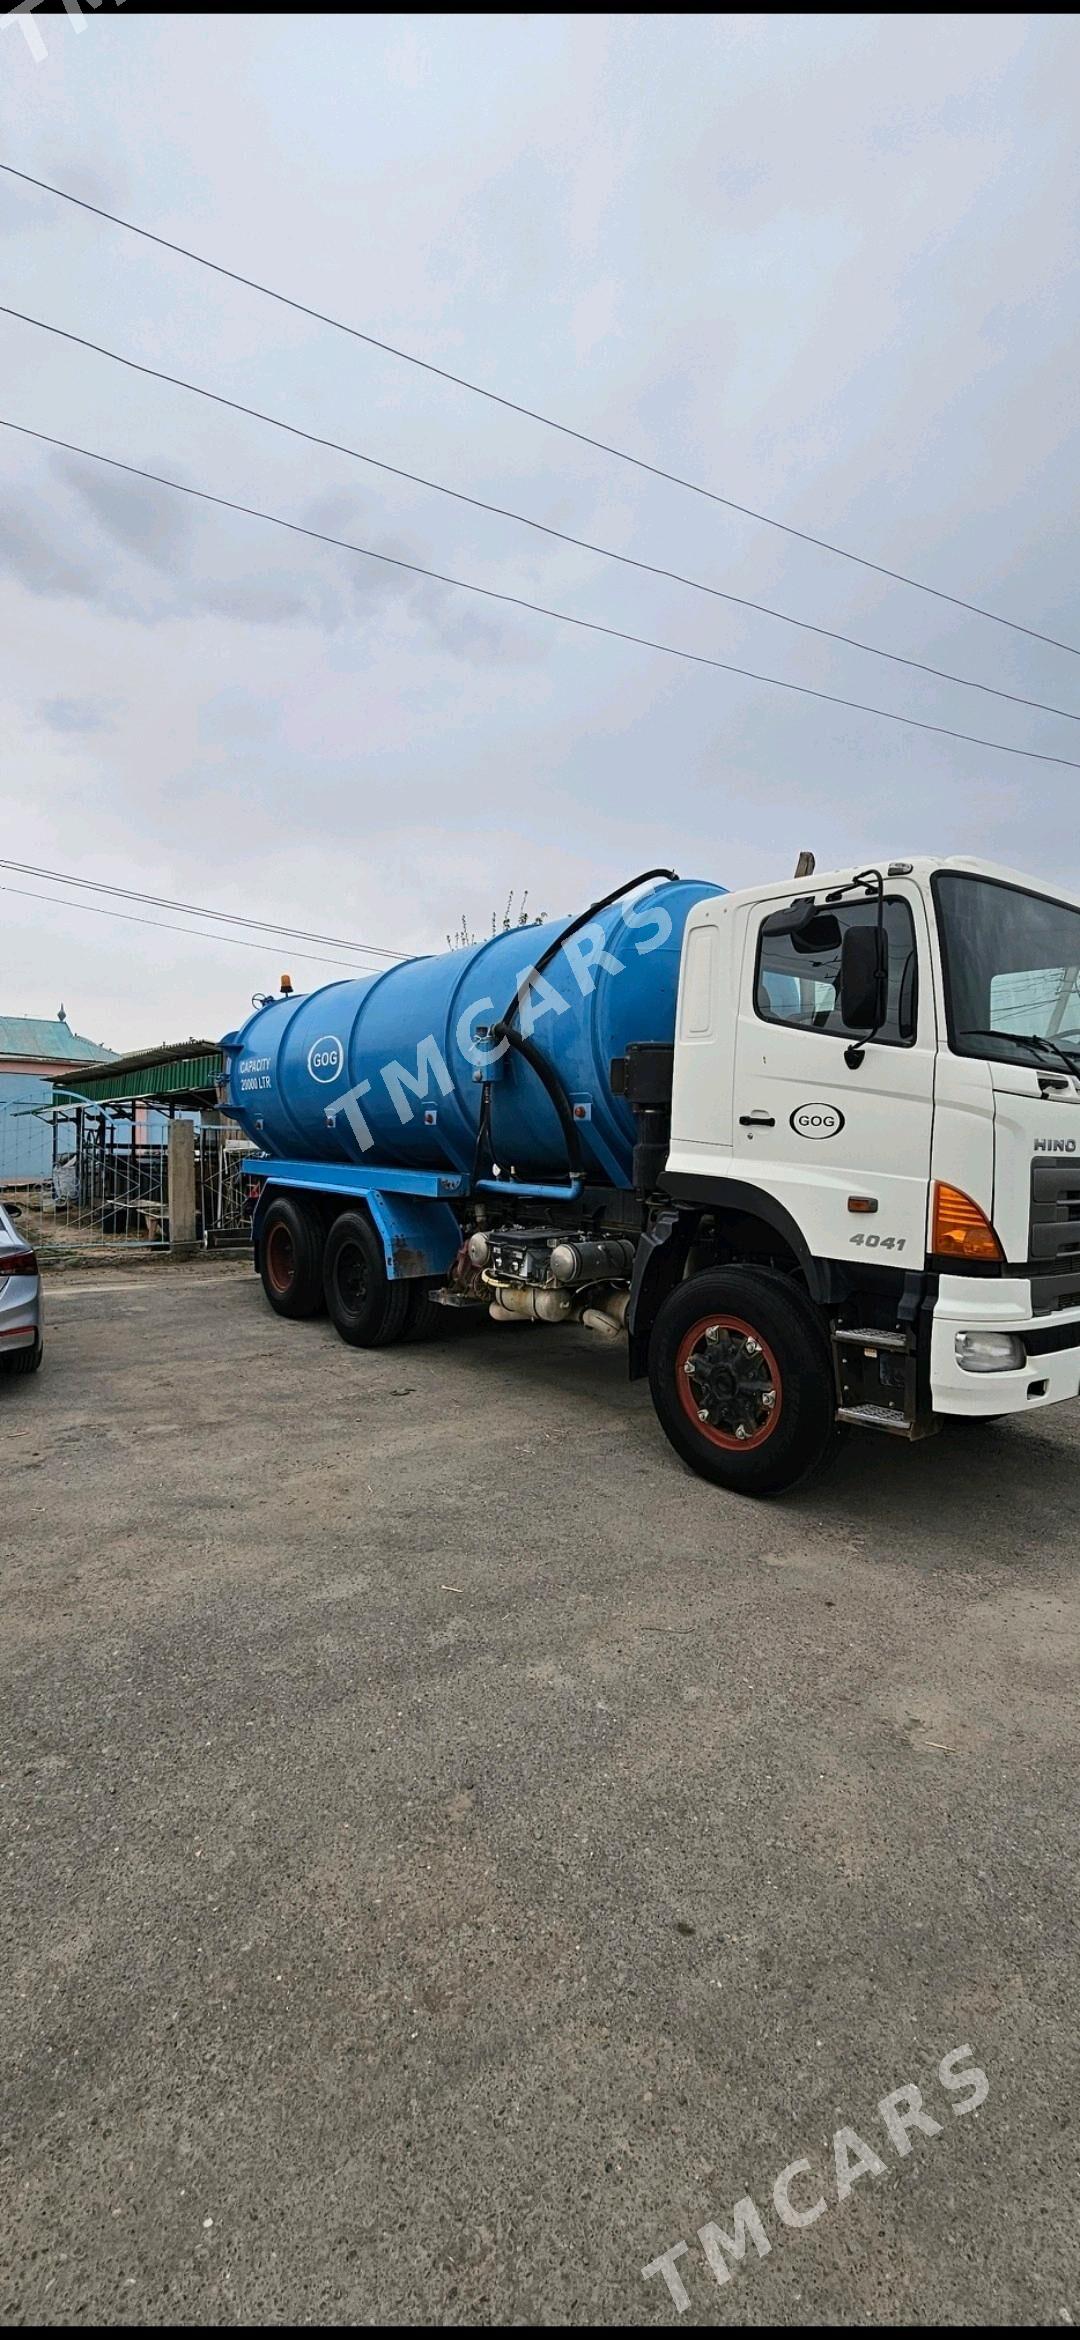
877	1418
869	1336
874	1367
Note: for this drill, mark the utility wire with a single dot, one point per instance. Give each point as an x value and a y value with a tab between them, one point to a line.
198	933
532	414
524	520
537	608
63	877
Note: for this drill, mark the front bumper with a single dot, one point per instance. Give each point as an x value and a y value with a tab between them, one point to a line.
993	1304
20	1313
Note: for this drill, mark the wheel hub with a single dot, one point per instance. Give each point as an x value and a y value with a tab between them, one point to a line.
729	1382
352	1277
280	1258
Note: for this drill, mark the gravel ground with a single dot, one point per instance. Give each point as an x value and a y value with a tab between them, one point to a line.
452	1855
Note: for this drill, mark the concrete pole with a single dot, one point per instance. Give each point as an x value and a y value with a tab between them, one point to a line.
182	1189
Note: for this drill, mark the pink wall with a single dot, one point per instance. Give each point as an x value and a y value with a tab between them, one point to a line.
37	1068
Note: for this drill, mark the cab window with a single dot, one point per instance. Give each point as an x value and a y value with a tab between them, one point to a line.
797	978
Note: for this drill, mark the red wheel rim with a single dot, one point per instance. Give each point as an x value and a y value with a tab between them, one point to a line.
729	1383
280	1259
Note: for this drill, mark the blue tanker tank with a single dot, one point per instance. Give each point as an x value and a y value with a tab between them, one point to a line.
394	1069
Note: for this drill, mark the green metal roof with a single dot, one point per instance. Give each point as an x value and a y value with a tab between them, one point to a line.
181	1071
49	1037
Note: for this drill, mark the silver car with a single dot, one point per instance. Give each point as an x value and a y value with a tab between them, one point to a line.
20	1299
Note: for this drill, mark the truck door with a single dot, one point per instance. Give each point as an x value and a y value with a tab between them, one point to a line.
808	1128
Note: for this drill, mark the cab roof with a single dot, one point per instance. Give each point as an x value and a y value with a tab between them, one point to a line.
920	869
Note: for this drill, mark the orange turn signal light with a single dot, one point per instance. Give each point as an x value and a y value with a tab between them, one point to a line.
961	1230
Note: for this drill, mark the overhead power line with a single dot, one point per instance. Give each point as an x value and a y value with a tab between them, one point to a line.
63	877
197	933
533	414
537	608
524	520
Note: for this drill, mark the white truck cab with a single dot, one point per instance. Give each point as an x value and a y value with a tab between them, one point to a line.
884	1066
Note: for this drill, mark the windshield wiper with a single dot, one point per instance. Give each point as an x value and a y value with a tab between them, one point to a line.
1028	1040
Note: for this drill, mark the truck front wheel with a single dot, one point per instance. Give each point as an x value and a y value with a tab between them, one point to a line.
741	1379
290	1258
366	1307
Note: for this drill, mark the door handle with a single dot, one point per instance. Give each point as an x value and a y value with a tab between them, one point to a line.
756	1121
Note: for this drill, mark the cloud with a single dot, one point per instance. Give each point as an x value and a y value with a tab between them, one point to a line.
236	716
29	210
64	167
461	622
183	547
84	718
470	629
44	564
336	512
251	602
147	520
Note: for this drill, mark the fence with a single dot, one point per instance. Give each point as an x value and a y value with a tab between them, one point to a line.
96	1177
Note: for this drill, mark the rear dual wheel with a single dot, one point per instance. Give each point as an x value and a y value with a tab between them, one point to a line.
427	1320
290	1258
741	1379
366	1306
305	1270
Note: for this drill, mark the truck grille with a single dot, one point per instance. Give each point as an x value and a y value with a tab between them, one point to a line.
1054	1236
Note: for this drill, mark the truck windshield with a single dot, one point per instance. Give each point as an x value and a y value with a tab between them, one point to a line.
1012	968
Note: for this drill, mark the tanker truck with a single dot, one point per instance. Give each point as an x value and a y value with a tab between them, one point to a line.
808	1149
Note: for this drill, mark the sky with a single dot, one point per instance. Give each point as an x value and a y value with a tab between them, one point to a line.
824	265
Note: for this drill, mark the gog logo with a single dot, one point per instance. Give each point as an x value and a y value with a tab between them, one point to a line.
326	1058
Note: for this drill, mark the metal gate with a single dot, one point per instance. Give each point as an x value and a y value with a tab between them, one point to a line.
224	1197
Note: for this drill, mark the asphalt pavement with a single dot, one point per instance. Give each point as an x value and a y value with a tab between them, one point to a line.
452	1856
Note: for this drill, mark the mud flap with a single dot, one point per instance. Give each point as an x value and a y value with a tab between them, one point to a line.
419	1238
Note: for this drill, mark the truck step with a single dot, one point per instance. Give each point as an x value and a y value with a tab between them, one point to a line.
875	1418
870	1336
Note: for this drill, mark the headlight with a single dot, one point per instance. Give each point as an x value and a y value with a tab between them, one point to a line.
989	1352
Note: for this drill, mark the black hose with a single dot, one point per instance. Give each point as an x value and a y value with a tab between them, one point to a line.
575	925
545	1072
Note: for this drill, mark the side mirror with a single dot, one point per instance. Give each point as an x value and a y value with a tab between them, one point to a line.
864	978
14	1210
810	929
